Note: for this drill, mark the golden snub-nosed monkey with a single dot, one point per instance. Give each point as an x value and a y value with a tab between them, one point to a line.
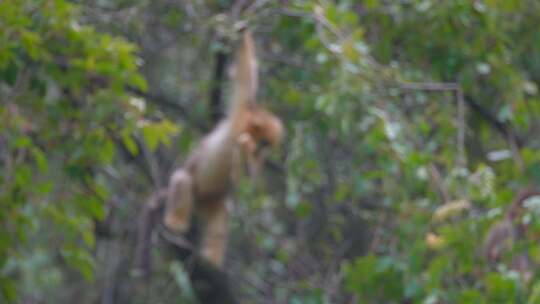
206	179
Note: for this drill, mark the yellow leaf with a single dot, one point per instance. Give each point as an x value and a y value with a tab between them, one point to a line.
450	209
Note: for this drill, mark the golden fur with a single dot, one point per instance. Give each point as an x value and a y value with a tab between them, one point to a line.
206	179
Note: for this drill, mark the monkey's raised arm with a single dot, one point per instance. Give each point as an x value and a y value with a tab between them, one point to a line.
245	80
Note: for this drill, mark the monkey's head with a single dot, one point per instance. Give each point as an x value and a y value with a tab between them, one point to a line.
264	127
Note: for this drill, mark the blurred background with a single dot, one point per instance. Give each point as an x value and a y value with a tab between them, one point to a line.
407	174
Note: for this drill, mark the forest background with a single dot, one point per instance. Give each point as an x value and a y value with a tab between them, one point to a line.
411	127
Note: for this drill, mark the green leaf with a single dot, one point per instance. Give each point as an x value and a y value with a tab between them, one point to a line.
9	292
471	296
30	42
23	142
130	144
303	209
106	151
40	158
23	175
44	187
79	259
372	4
159	133
138	81
534	296
500	289
151	136
181	277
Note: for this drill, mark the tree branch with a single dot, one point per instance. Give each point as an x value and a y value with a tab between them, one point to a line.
501	127
216	102
210	283
158	98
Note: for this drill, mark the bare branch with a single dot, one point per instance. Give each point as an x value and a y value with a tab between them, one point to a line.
429	86
210	283
461	125
462	159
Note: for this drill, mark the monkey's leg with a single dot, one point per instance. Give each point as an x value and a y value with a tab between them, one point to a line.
215	233
179	201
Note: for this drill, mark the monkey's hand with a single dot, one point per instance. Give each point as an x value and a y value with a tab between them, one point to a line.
249	149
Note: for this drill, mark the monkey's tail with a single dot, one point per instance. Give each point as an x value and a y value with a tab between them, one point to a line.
245	79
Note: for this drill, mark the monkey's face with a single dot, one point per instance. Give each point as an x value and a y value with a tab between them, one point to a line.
265	127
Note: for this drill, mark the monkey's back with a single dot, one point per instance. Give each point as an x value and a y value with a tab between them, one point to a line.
213	176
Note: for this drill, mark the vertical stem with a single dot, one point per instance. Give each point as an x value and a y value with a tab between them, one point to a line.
216	87
462	159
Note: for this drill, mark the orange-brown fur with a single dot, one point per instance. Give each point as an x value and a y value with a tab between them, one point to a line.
206	179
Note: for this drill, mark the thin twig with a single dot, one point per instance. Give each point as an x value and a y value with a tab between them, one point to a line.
429	86
155	170
462	159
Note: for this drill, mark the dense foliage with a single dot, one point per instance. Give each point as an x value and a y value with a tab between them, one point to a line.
411	126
